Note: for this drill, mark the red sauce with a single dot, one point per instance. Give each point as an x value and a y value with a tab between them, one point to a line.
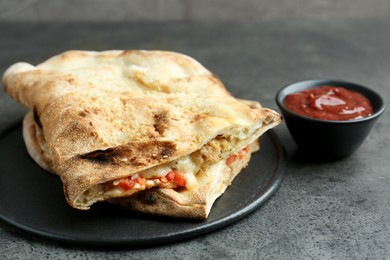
329	103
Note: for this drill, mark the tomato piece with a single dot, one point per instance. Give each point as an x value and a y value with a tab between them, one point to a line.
170	176
126	184
179	179
238	156
175	177
231	159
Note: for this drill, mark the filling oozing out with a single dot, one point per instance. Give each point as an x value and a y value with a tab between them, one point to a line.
177	174
182	174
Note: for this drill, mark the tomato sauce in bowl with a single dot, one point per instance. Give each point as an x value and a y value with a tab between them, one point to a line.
328	119
329	103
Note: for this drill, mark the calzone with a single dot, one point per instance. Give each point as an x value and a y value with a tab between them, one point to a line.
152	131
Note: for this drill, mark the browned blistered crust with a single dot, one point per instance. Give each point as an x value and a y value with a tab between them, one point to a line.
100	116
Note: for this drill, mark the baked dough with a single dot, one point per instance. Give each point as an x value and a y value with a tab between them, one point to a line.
98	118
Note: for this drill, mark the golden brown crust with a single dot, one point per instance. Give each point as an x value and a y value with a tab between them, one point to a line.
195	203
108	115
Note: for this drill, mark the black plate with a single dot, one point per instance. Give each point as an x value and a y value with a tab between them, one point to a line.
33	200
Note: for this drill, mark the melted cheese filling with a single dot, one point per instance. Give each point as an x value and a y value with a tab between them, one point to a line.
189	166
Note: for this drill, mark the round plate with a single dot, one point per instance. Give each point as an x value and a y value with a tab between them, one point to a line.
33	200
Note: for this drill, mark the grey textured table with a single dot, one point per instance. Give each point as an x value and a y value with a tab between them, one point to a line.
322	210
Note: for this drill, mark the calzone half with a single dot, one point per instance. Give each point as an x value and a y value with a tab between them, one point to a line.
152	131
